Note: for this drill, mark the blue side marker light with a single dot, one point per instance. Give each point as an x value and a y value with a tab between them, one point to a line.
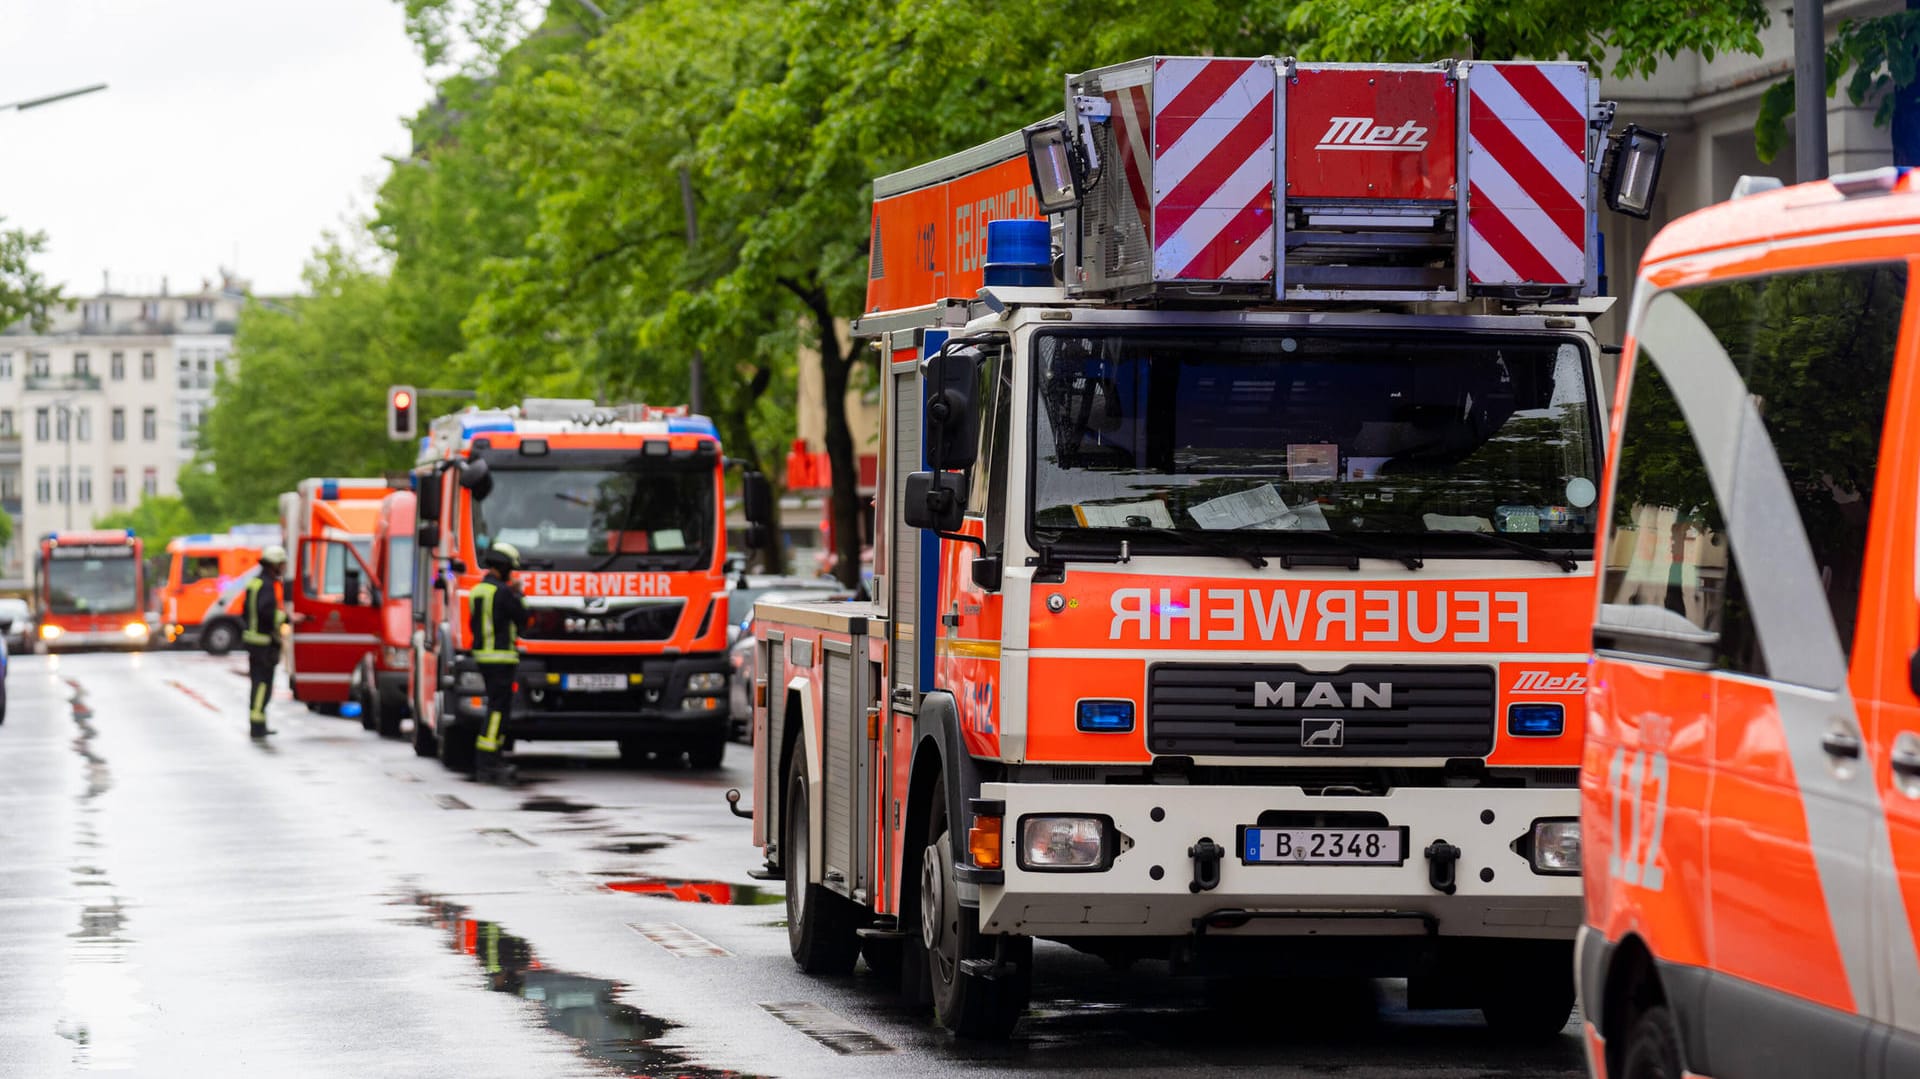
350	710
1536	720
1103	717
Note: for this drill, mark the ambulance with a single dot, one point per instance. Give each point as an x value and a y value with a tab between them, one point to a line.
1241	454
618	514
332	593
1751	783
206	574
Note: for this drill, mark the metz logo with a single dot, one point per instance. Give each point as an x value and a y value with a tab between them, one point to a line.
1361	133
1546	683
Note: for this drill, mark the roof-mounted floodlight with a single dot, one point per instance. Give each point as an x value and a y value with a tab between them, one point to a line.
1637	154
1062	155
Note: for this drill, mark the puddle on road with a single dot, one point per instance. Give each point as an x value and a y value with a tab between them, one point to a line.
637	846
100	992
580	1007
716	892
547	803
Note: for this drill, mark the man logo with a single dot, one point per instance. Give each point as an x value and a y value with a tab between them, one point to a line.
1323	733
1322	695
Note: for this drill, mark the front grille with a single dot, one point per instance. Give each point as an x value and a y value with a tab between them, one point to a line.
1285	710
643	622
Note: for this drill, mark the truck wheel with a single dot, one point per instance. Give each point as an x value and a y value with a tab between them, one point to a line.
821	926
220	637
969	1004
424	743
391	712
1531	1000
369	709
456	746
1652	1050
706	754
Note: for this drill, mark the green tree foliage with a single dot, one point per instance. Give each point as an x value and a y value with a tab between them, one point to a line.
24	293
1883	53
1638	34
157	519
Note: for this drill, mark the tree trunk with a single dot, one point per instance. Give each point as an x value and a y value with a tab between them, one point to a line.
836	369
739	431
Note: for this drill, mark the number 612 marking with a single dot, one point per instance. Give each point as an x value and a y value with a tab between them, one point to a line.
1628	783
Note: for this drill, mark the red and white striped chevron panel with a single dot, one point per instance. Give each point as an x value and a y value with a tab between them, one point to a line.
1527	174
1213	169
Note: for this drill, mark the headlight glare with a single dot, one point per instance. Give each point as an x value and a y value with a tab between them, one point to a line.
1060	842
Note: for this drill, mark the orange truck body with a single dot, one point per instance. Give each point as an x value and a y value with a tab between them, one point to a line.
380	678
89	590
1254	643
627	635
329	524
1751	782
201	599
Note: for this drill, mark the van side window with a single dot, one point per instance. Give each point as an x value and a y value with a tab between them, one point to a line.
1670	572
988	497
1815	349
201	569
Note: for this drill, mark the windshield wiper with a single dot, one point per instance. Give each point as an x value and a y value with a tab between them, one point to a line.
1358	547
1531	550
1223	547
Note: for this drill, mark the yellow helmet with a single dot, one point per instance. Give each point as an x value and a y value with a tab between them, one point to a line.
501	556
275	555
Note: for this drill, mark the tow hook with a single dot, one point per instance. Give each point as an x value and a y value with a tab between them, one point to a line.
1206	856
733	803
1442	857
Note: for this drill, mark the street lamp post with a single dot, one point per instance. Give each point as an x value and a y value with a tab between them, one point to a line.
48	99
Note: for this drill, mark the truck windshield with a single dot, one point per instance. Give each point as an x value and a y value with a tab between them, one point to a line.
92	580
1413	440
581	518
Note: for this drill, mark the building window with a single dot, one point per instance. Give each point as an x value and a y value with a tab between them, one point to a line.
62	424
83	425
188	422
117	366
149	424
43	485
6	423
39	365
82	365
200	309
150	481
83	488
202	374
40	425
97	311
10	485
64	487
119	422
186	372
119	486
146	366
6	365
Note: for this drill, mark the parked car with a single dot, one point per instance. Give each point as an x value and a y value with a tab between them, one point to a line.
19	618
748	591
7	629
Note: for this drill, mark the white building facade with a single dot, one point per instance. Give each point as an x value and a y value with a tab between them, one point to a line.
104	407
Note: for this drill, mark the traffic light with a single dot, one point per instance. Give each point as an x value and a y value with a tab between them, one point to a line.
401	403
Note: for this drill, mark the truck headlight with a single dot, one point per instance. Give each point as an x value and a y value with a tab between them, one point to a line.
395	657
470	682
50	632
1554	845
706	682
1063	843
135	630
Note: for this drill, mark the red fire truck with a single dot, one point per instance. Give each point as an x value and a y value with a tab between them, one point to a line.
379	681
617	513
89	590
1242	440
332	593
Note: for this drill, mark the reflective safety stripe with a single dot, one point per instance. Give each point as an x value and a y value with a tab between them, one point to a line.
482	599
258	713
251	637
496	656
490	741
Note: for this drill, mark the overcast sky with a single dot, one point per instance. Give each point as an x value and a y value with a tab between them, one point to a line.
233	133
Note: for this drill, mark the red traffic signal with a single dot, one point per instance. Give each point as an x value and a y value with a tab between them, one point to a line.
400	402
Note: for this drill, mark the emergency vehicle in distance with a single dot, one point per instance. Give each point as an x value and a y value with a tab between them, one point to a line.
379	681
331	596
90	591
201	598
1231	557
1751	785
617	512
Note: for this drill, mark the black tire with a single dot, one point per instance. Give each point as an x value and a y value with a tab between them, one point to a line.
369	702
424	743
1531	1001
387	720
822	928
969	1005
706	754
634	753
1653	1049
457	746
220	637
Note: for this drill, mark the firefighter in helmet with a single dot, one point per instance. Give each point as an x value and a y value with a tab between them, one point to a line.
262	617
497	615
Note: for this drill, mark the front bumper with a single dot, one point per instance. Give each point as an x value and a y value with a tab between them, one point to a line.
653	707
1496	892
74	640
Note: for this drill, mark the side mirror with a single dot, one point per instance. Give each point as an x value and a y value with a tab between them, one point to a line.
987	573
350	586
476	477
936	500
756	502
953	418
426	494
1635	172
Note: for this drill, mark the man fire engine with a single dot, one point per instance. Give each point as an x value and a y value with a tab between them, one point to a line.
616	516
1751	784
1231	545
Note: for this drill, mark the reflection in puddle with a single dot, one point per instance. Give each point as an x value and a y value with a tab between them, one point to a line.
551	804
700	891
101	994
580	1007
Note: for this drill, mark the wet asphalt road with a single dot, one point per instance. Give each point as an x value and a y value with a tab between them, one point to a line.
176	901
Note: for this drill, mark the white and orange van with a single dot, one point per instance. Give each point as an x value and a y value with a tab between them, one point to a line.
201	597
1751	779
